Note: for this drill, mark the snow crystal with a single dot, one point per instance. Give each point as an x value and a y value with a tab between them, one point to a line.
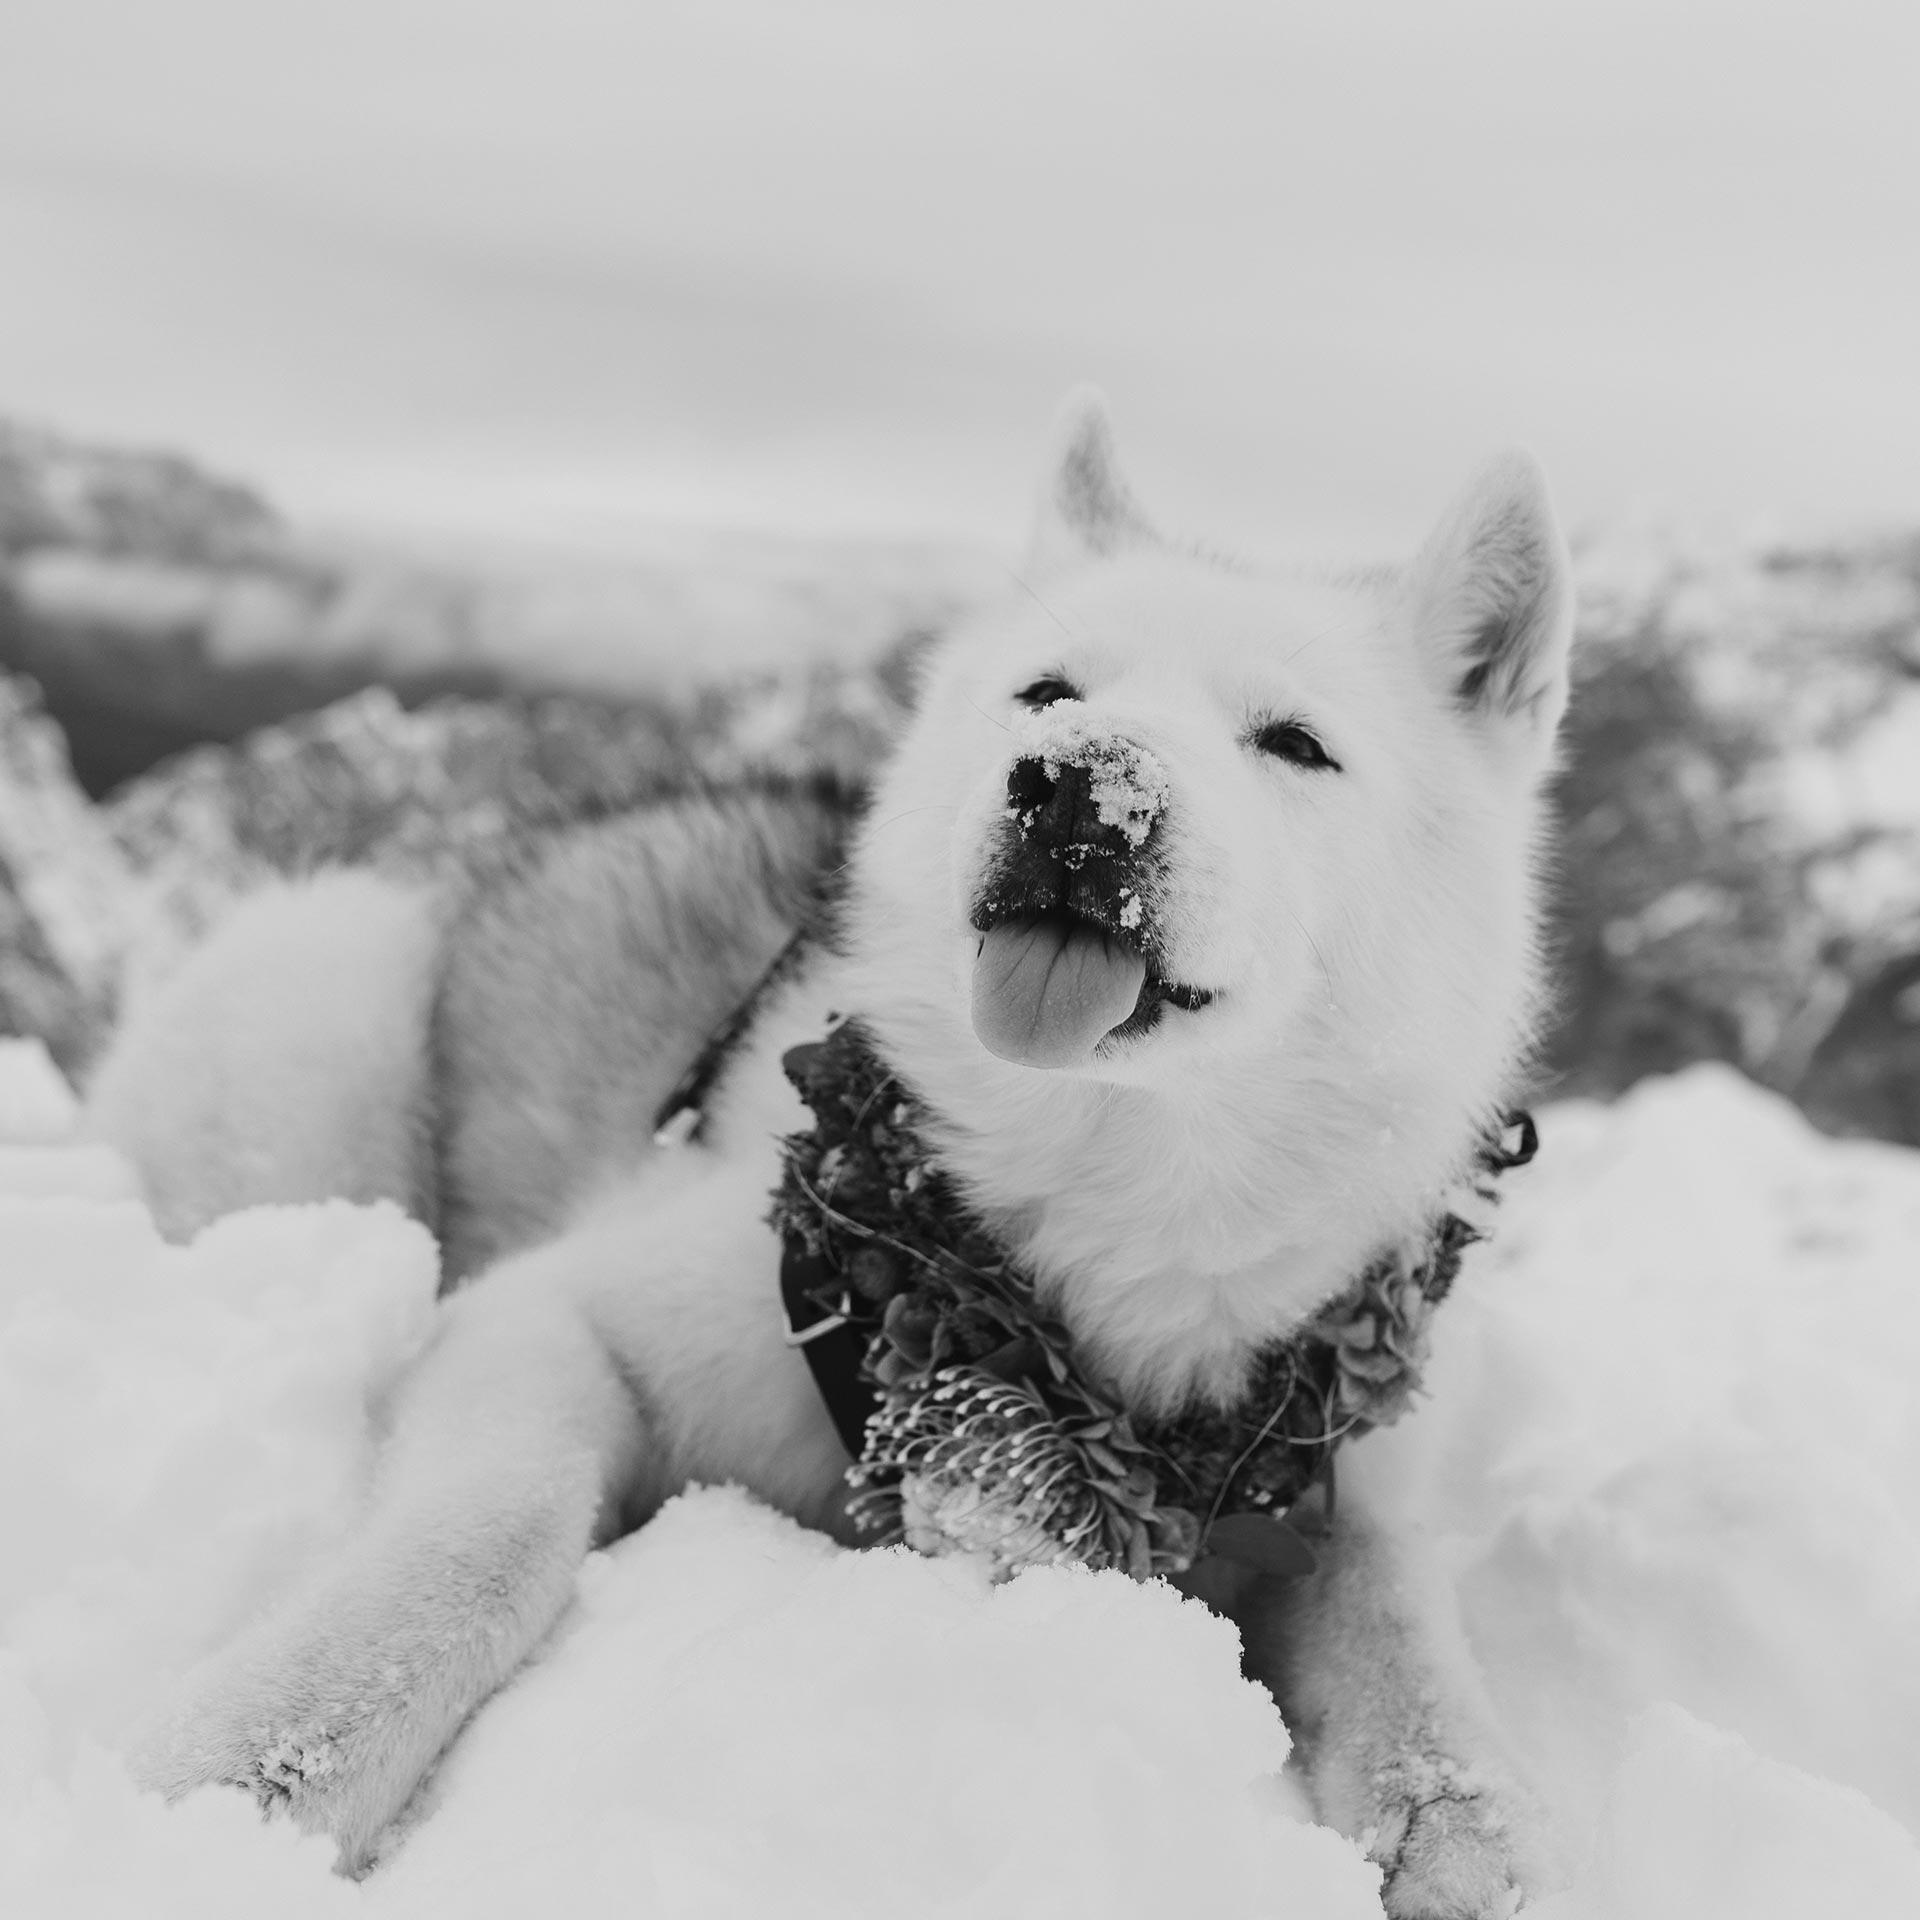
1669	1462
1129	786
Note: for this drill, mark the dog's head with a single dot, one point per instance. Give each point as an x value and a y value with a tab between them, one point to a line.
1159	806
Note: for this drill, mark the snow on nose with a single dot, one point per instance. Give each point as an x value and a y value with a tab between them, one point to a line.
1073	758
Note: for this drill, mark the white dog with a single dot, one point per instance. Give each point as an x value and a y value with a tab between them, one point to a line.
1193	1086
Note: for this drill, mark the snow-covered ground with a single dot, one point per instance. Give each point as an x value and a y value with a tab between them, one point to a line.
1671	1462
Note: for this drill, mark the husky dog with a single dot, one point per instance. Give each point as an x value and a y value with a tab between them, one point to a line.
1195	1086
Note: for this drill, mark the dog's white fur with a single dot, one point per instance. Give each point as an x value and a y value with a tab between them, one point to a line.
287	1060
1368	935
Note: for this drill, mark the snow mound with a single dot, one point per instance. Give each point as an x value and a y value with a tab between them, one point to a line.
742	1718
1671	1456
1785	1844
1670	1464
180	1429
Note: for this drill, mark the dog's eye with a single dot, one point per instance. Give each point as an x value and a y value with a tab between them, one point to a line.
1290	741
1043	693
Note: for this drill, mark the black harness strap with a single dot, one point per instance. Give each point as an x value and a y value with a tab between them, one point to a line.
833	1343
1518	1126
683	1113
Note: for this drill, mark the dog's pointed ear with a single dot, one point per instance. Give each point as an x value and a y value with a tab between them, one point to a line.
1492	599
1085	511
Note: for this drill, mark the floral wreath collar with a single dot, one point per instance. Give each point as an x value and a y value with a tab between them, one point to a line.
973	1428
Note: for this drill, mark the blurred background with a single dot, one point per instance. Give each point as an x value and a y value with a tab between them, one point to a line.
419	420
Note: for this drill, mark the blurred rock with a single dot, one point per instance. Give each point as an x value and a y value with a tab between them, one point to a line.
159	608
55	492
95	901
65	889
1741	856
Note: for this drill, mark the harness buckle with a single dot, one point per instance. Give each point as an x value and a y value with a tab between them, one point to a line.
678	1128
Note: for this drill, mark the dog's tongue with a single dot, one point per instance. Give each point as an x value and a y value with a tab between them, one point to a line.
1044	991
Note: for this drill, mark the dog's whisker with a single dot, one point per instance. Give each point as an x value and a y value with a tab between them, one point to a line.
1026	587
905	813
989	718
1320	959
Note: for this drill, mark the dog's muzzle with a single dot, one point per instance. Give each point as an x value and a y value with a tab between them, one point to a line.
1065	910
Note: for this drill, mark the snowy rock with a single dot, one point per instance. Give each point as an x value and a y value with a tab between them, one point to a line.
59	493
366	781
94	900
64	888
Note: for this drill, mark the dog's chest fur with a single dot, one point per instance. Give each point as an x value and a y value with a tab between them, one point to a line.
1172	1253
1173	1236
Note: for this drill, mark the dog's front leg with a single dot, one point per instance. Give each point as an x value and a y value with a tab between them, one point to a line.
1378	1687
514	1439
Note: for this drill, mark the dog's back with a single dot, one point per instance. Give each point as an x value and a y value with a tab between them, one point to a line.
580	986
480	1052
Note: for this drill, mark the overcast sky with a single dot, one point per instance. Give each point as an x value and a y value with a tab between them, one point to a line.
563	268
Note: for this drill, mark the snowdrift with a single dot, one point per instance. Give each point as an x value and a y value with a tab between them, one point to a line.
1670	1465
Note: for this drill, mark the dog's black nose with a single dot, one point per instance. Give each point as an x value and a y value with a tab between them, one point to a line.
1058	810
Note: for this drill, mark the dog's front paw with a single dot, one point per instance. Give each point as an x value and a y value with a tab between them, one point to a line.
285	1765
1456	1844
334	1710
328	1740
